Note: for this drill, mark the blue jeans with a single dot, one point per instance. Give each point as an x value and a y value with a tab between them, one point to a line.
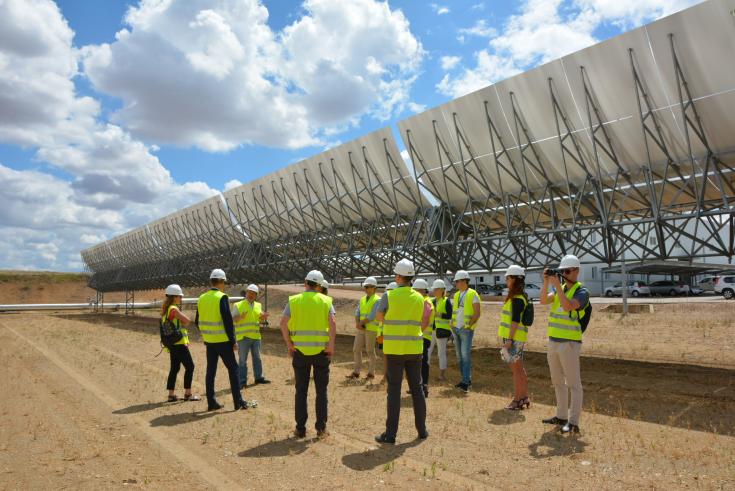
463	338
245	346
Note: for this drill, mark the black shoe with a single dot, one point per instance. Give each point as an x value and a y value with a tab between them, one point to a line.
464	388
214	407
383	438
554	421
262	380
297	433
423	435
569	428
243	406
321	435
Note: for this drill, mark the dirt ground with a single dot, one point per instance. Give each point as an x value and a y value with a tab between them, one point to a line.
82	409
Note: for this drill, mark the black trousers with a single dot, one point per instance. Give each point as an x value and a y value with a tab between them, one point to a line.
425	363
411	364
302	366
215	351
180	355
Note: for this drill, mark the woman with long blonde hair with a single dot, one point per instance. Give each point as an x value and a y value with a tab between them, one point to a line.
514	334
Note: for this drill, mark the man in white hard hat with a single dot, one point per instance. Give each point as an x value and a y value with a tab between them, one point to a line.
569	306
405	316
366	330
248	314
464	320
309	330
214	320
422	286
442	328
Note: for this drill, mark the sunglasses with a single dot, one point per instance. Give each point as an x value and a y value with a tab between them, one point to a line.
567	270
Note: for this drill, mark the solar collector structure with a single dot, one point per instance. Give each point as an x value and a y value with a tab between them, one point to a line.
624	149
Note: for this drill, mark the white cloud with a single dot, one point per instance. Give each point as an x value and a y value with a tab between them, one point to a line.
480	29
449	62
213	74
439	9
548	29
116	182
416	108
232	184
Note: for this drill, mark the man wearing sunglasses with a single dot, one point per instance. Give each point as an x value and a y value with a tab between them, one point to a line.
568	302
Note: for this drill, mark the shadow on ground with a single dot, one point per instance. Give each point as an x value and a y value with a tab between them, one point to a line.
381	456
684	396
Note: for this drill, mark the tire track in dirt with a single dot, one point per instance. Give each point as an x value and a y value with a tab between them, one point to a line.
189	459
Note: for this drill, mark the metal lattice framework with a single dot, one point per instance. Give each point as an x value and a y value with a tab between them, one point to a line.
622	150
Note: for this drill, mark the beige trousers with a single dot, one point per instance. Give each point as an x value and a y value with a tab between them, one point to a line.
564	367
364	339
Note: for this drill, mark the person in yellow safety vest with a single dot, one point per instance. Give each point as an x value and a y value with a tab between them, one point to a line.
465	315
379	339
366	330
442	329
179	352
568	302
422	286
309	330
248	314
214	321
514	334
405	317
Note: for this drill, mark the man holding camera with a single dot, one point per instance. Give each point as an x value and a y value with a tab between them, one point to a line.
568	307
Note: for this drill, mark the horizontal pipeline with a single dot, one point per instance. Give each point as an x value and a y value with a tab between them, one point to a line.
91	305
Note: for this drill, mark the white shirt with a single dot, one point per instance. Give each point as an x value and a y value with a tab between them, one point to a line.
460	308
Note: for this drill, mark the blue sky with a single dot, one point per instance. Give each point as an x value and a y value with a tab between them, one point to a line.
123	111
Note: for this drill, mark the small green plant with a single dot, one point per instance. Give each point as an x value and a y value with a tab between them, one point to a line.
390	466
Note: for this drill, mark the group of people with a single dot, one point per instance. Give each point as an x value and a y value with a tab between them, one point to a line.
405	323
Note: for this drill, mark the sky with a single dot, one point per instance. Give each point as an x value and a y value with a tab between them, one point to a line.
115	113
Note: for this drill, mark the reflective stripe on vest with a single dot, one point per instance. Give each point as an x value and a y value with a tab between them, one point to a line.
430	330
563	324
366	306
249	325
210	319
402	325
506	318
468	308
441	308
308	325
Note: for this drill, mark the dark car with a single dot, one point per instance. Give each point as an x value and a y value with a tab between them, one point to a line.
668	288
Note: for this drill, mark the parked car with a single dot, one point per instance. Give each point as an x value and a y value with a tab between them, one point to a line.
635	289
666	287
695	290
707	283
483	289
533	291
725	286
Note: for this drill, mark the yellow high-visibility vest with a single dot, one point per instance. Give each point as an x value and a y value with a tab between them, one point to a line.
506	318
402	323
428	332
468	308
441	308
563	324
366	306
249	324
211	324
309	321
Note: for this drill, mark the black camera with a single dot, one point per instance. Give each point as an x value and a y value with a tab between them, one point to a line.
552	272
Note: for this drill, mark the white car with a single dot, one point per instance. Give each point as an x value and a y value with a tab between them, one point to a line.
635	289
725	286
707	284
533	291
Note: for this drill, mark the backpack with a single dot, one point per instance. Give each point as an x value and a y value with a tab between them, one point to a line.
527	315
170	332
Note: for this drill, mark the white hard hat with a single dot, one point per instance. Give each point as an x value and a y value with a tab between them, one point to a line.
461	275
370	281
217	274
569	261
391	286
438	284
420	284
515	270
174	291
253	288
315	276
404	267
325	284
